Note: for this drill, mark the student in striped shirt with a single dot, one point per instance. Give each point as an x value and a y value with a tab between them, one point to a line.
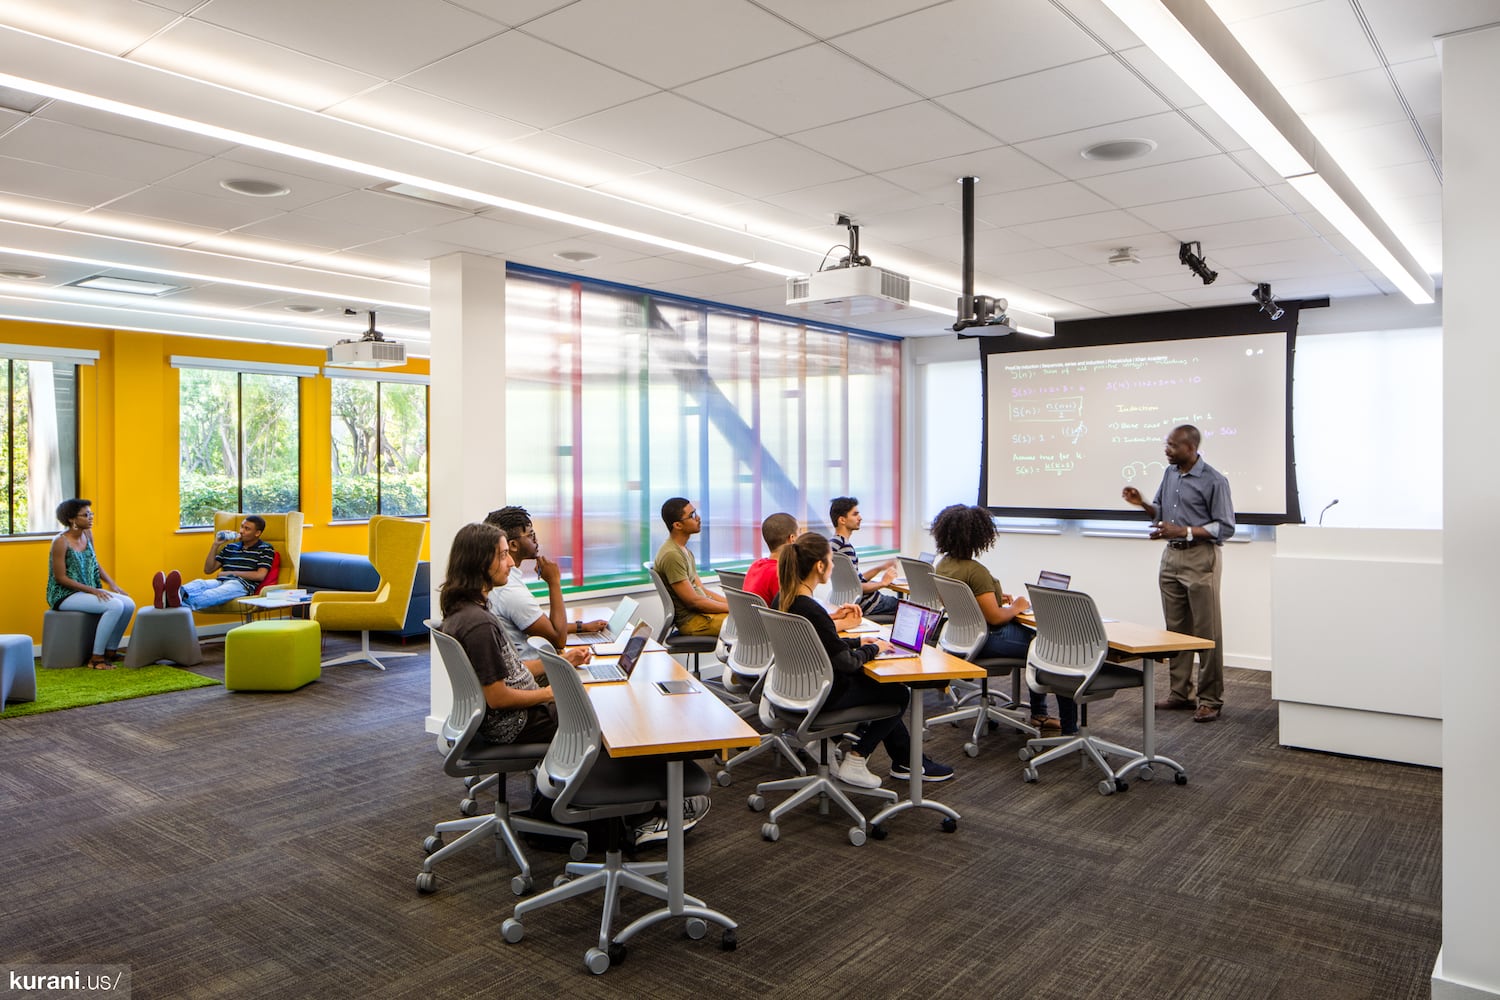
241	566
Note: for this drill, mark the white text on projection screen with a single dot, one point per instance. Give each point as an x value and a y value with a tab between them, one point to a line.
1069	427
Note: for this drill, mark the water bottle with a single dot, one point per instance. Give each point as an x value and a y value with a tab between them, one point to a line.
227	536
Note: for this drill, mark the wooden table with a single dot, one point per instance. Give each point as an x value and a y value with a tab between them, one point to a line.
933	668
1150	644
637	720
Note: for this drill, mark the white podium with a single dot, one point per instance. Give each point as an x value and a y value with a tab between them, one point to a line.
1353	671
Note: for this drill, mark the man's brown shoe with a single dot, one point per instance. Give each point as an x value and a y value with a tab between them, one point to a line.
1174	703
1206	713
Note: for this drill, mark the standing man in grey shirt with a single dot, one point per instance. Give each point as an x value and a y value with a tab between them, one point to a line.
1193	514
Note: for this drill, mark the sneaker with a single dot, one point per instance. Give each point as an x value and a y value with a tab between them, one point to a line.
653	829
853	770
931	770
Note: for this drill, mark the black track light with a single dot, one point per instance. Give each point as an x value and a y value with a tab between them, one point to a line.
1267	302
1191	254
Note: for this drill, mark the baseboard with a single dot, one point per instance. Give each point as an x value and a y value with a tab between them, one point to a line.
1246	661
1447	989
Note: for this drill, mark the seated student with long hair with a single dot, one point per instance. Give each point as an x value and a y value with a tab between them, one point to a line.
802	566
962	533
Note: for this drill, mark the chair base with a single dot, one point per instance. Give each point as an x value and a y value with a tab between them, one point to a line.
365	655
503	829
779	742
611	876
1055	747
821	786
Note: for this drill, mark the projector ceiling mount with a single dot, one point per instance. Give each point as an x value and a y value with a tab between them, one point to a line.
977	310
370	351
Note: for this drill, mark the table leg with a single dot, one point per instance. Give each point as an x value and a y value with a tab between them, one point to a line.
677	899
915	799
1148	753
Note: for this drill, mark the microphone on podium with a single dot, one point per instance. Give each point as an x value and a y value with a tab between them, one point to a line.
1324	511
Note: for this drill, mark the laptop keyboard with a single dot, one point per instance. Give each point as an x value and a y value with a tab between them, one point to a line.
605	672
591	638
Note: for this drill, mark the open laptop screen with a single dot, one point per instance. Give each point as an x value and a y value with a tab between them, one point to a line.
912	625
1057	581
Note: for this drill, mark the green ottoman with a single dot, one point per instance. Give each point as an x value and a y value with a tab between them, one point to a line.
277	655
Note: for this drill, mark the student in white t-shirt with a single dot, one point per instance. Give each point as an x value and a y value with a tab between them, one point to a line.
520	613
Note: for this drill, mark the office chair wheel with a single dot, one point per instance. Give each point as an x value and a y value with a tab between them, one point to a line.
432	844
856	836
1025	753
1145	773
561	880
730	940
469	807
426	882
1028	774
696	927
596	961
971	749
512	930
617	953
1111	785
579	850
757	803
770	831
725	779
950	825
521	885
879	832
1180	778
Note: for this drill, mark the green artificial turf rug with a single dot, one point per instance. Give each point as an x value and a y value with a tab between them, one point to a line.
73	688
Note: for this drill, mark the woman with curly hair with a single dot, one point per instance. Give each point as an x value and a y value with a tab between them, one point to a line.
962	533
76	582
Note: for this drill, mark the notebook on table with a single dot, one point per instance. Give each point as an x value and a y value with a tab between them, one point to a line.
617	627
621	669
910	630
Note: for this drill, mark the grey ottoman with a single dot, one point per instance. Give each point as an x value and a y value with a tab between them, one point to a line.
67	638
163	634
17	670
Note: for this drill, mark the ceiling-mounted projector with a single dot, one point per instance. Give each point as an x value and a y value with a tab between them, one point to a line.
852	287
370	351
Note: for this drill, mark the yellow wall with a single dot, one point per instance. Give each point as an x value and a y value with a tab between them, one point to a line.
127	458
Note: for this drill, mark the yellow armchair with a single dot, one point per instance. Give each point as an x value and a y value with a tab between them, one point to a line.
284	533
395	550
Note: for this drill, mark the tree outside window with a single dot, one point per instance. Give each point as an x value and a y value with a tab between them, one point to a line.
38	443
379	434
238	443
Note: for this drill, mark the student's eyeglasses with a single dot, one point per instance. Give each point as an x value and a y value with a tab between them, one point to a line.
691	515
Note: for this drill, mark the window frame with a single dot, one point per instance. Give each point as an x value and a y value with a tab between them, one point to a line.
381	378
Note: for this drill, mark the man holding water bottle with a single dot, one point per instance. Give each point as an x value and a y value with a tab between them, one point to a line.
240	566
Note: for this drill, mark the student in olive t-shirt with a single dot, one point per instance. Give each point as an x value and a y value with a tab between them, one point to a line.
695	611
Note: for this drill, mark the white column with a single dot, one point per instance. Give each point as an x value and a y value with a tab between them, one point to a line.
1469	964
466	436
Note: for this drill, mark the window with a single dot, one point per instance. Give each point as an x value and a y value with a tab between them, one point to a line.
618	399
379	432
38	442
237	438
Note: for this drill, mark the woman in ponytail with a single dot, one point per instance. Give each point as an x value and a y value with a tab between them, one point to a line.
803	564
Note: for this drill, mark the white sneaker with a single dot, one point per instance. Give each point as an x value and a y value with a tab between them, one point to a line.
854	771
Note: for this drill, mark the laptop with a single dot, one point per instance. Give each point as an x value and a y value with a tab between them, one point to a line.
1057	581
910	630
618	626
928	557
620	670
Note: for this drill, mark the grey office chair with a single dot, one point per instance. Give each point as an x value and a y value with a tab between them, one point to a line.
1067	658
677	644
964	636
849	588
920	588
797	685
467	755
585	783
752	658
732	578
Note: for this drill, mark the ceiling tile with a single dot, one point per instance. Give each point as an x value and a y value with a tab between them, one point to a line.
1231	234
1052	201
1377	146
1190	213
392	212
671	191
999	168
159	202
102	25
410	250
1065	99
798	90
912	225
827	18
1407	30
552	155
1421	83
1105	226
965	43
43	141
897	137
1063	277
138	228
403	111
207	52
489	235
160	135
1168	181
655	271
527	80
511	12
636	130
313	232
1341	103
54	183
1292	45
357	33
850	197
204	177
1159	76
766	168
1127	305
685	41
